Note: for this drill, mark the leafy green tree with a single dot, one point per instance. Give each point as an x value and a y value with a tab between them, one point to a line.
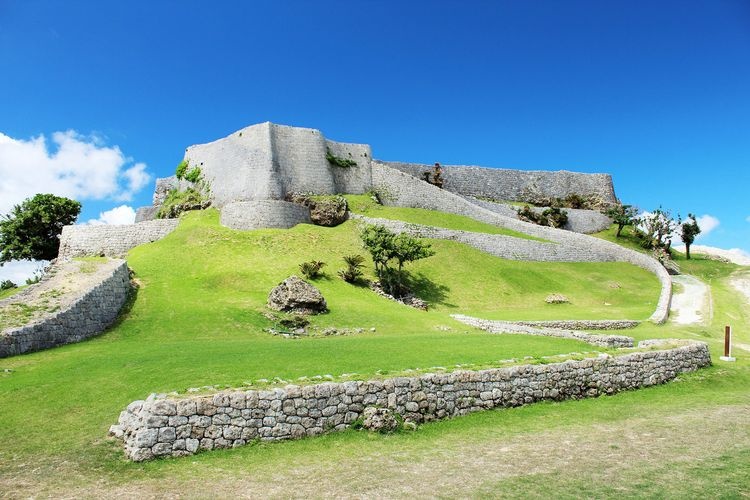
690	230
622	215
385	246
31	231
657	228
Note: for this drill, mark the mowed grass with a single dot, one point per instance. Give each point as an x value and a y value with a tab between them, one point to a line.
365	205
197	320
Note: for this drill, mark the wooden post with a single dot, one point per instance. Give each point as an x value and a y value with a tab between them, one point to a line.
727	344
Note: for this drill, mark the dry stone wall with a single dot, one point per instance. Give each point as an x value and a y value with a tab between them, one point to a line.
518	327
183	426
111	240
264	214
85	312
514	185
399	189
579	221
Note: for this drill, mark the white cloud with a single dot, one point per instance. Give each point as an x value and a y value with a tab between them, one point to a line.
123	214
19	270
736	255
76	166
707	223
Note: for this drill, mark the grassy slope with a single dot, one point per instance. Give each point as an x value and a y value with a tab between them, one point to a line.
209	334
364	205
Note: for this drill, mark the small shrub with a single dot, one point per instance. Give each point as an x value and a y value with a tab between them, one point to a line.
311	269
353	271
178	202
7	285
181	169
36	278
294	321
193	175
338	161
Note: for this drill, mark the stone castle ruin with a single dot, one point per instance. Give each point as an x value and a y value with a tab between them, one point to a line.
253	170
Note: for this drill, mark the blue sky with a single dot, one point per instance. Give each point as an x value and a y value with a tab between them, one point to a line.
656	93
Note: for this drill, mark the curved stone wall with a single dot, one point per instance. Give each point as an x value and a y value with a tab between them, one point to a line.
90	302
111	240
514	185
264	214
579	221
399	189
183	426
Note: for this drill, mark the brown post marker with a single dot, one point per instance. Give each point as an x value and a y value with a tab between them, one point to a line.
727	337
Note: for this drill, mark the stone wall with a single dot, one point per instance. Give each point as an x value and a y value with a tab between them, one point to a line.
579	221
264	214
86	311
111	240
550	330
399	189
183	426
268	161
514	185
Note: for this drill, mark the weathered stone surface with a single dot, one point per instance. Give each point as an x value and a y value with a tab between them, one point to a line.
92	302
296	295
556	298
335	406
82	240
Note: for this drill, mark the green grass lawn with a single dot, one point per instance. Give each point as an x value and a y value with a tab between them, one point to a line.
197	321
365	205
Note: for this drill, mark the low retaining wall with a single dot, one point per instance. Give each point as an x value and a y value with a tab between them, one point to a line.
517	327
583	324
399	189
85	313
111	240
263	214
180	427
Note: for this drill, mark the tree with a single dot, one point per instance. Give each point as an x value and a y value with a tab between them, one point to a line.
384	246
657	228
31	231
622	215
690	230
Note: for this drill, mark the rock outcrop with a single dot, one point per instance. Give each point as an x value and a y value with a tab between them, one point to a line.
296	295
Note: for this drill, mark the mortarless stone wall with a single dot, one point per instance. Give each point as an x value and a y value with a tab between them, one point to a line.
264	214
183	426
87	310
514	185
111	240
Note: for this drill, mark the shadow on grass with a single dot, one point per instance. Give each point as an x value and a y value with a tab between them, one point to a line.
426	289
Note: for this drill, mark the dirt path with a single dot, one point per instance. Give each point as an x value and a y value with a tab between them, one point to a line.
606	453
691	305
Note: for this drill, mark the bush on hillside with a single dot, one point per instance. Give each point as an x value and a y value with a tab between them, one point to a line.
7	285
312	269
353	271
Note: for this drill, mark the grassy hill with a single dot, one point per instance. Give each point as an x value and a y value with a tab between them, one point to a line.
198	321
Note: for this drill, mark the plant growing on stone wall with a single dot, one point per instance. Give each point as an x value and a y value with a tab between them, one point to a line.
326	211
339	161
385	247
181	169
553	217
312	269
193	175
178	202
353	271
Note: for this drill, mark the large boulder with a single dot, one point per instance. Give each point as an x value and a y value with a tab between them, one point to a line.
296	295
324	210
377	419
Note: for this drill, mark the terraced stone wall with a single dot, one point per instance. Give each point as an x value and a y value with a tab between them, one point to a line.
87	313
183	426
111	240
263	214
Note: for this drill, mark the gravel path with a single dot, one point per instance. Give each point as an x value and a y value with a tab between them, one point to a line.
691	305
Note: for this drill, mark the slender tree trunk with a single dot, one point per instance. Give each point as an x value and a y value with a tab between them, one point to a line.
687	250
619	230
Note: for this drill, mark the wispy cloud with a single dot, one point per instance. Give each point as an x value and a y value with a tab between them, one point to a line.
707	223
70	164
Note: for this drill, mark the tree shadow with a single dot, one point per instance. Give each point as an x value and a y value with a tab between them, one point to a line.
426	289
